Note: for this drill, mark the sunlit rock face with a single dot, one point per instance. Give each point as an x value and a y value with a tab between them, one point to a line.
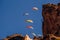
27	38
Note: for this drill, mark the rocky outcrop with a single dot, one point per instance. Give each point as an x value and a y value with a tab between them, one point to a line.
14	37
51	17
27	38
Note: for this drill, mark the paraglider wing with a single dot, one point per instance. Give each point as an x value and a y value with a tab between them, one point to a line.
30	27
26	14
35	8
29	21
33	34
39	35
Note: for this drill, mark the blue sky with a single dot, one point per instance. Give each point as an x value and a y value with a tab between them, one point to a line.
12	18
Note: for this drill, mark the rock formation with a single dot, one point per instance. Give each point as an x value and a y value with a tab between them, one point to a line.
51	17
14	37
27	38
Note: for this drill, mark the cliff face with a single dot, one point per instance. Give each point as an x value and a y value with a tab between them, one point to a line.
51	17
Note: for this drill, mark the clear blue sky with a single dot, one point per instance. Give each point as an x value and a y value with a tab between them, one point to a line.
12	19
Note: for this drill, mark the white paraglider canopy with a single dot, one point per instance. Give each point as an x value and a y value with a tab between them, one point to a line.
33	34
35	8
26	14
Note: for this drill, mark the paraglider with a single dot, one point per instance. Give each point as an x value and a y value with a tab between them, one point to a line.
35	8
33	34
30	27
39	35
30	21
26	14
